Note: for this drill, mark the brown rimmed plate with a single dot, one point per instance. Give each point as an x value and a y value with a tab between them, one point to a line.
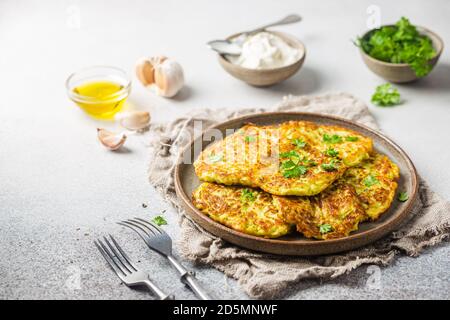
295	244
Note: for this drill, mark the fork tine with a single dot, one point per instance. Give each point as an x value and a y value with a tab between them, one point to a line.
112	256
124	255
143	227
108	258
136	229
117	255
160	230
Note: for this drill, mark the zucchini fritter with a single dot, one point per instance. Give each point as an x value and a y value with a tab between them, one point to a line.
243	209
334	213
375	183
295	158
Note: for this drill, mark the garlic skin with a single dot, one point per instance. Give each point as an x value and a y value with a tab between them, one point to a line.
161	74
134	120
111	140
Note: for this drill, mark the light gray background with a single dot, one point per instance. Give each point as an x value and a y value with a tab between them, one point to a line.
59	189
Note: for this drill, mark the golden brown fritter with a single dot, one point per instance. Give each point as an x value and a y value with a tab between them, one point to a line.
375	183
243	209
334	213
294	158
233	160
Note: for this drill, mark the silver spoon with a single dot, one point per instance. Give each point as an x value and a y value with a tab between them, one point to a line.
234	49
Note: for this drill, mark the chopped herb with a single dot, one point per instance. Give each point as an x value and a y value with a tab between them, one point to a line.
332	139
291	170
325	228
249	139
386	95
403	196
159	220
296	165
370	180
310	163
247	195
401	43
214	158
290	154
331	152
299	143
351	138
329	166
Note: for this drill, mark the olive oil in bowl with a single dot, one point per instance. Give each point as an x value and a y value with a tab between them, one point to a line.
99	91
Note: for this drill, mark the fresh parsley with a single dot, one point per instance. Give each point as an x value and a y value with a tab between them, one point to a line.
290	169
247	195
370	180
296	165
386	95
401	43
402	197
250	139
351	138
331	138
214	158
325	228
159	220
299	143
332	166
290	154
331	152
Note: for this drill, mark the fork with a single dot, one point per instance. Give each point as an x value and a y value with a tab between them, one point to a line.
158	240
125	269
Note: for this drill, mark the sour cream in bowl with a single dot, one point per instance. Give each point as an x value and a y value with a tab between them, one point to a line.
267	58
264	50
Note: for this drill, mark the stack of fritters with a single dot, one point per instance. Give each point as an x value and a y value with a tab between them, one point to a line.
266	180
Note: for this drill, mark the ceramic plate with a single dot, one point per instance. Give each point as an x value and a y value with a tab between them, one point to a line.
295	244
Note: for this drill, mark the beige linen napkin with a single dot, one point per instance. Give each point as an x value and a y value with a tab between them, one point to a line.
265	275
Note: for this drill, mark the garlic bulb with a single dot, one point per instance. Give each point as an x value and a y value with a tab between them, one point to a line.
111	140
163	75
133	120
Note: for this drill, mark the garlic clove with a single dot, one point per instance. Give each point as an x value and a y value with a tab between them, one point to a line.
111	140
169	78
145	72
134	120
161	74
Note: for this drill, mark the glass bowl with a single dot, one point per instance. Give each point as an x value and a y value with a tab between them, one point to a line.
100	91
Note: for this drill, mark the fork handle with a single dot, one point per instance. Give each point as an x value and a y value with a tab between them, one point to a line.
161	295
188	278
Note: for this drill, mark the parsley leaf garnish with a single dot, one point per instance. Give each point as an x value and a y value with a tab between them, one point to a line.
329	166
401	43
296	165
249	139
370	180
386	95
325	228
331	152
403	196
214	158
159	220
290	169
290	154
351	138
247	195
300	143
331	139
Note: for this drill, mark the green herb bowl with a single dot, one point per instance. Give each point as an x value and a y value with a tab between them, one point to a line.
400	72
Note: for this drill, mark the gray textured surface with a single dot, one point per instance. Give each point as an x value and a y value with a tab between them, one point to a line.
59	189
